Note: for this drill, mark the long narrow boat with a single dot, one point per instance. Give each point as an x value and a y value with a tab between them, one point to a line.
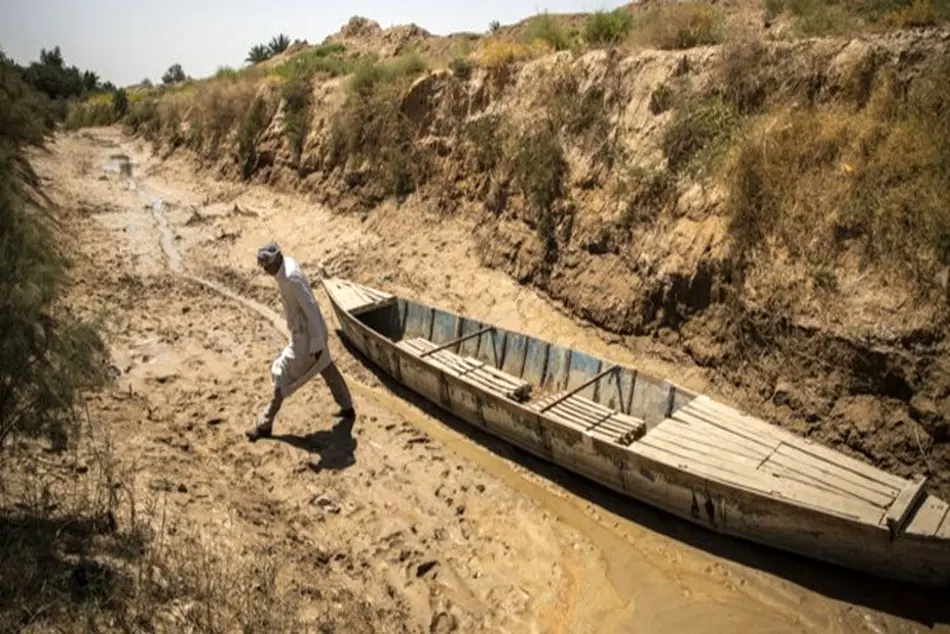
653	440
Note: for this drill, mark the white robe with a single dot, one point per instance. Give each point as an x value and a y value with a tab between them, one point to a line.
308	331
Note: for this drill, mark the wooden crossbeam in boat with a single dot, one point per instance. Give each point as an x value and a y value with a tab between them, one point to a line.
903	506
470	335
573	391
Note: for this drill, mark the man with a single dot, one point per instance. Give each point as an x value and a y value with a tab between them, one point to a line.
307	353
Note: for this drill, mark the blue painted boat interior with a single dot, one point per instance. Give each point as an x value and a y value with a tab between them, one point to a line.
545	365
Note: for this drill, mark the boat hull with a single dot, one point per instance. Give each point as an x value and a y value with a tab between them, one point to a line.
675	488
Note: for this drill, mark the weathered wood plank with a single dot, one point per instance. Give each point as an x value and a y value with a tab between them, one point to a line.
703	466
355	300
704	403
691	417
657	438
904	504
805	457
580	411
475	371
794	460
739	472
630	426
722	446
929	517
568	421
944	531
734	420
717	433
573	392
806	480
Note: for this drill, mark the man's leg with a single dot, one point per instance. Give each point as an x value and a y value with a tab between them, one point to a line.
265	425
341	393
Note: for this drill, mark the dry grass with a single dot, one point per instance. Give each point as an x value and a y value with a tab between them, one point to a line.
216	110
548	29
539	169
82	551
495	55
818	17
678	26
646	194
820	183
372	137
608	28
700	132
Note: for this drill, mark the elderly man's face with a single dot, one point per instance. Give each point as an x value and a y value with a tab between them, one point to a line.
273	267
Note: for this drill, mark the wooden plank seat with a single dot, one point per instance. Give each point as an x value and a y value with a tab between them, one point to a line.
356	299
472	370
585	415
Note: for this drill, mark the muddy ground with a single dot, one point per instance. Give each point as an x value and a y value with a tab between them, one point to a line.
436	526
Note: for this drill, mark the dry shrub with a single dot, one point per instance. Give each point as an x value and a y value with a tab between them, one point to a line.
878	179
701	130
82	551
374	140
744	74
97	111
646	194
607	28
217	109
583	114
485	138
327	59
918	13
497	55
539	169
679	26
547	28
819	17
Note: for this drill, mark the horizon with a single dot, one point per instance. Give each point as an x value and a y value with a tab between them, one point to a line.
126	46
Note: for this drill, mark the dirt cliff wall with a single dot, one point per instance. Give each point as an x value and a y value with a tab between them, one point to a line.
742	202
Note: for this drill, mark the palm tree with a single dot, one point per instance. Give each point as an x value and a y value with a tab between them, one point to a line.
90	81
258	54
279	44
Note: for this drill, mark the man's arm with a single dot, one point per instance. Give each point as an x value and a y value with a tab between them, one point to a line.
308	303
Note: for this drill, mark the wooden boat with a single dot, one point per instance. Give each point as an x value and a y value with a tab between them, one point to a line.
653	440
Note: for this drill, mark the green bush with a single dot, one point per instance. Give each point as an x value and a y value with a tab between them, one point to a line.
120	102
369	72
539	169
700	130
297	94
546	27
371	130
326	59
47	358
608	27
461	68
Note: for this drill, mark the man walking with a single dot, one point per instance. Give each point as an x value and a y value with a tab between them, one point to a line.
307	353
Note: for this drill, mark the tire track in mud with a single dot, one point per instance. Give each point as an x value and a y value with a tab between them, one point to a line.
646	581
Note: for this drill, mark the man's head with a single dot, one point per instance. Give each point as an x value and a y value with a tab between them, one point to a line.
270	258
